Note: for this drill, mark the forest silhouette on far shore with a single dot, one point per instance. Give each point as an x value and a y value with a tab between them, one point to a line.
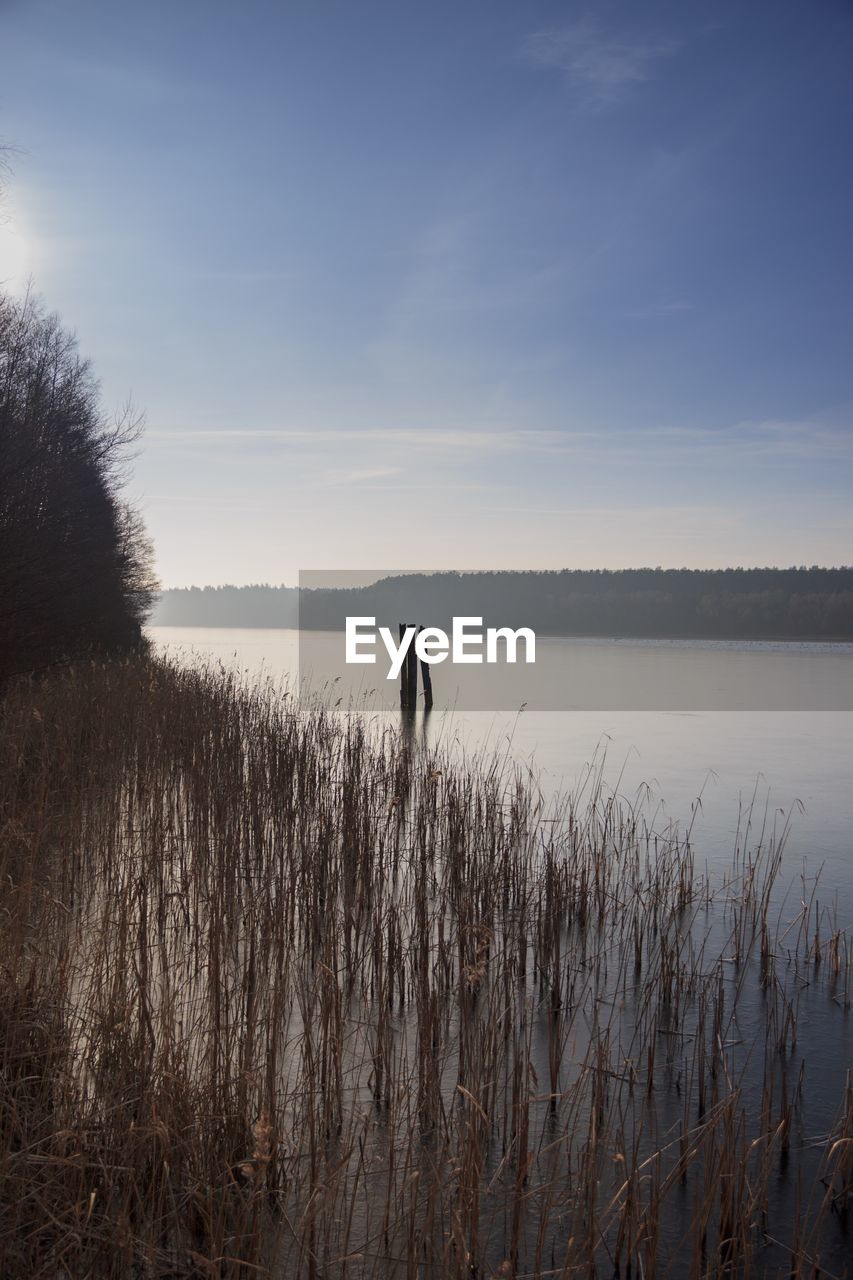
783	604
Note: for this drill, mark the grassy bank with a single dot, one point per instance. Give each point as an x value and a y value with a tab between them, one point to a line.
282	996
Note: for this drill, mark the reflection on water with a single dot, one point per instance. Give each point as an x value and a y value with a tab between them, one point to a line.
487	1027
789	759
573	674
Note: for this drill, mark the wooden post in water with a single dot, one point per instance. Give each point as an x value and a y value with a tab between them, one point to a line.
409	676
412	675
404	675
427	681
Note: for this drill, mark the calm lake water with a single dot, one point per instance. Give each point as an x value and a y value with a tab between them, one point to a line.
703	768
797	761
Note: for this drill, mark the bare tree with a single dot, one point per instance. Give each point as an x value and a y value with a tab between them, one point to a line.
75	565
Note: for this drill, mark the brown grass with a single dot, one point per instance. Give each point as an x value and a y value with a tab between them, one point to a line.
282	995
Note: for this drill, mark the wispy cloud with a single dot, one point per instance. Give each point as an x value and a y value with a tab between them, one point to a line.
602	65
813	439
808	441
213	502
421	438
361	475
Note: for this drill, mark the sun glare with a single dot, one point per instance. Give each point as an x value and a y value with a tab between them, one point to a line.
16	258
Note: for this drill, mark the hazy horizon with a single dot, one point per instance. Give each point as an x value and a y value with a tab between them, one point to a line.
513	286
368	577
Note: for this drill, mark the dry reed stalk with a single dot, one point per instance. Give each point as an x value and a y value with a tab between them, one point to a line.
284	993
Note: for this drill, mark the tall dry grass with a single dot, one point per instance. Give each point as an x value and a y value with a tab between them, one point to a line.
283	995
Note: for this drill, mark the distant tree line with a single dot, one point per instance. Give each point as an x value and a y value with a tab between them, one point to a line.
75	565
253	606
798	603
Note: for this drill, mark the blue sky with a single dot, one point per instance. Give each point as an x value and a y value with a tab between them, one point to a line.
466	285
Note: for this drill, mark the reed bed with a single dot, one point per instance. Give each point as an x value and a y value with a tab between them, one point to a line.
285	995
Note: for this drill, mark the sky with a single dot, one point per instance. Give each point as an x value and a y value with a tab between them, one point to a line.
456	285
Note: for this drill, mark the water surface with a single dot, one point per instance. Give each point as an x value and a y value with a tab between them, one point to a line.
794	761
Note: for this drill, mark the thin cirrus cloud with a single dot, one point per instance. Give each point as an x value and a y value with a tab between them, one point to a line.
767	439
361	475
603	66
508	441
